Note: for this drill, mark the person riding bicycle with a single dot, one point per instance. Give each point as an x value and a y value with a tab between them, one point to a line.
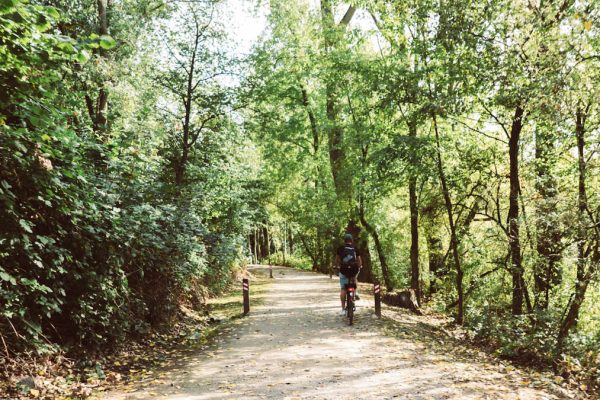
349	263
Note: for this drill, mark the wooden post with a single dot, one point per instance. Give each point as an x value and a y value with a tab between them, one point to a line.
246	295
271	271
377	295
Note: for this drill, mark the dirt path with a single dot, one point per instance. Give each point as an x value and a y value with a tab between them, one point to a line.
296	346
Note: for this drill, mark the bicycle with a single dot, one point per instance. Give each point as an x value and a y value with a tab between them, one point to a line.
350	305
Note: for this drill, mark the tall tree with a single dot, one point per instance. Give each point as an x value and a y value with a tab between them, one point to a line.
190	78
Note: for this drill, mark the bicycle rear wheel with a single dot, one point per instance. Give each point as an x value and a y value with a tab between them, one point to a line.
350	308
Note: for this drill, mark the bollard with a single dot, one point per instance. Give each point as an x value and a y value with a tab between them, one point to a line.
270	272
246	295
377	295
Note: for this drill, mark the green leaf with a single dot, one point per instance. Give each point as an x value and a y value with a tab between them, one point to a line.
53	12
83	56
107	42
8	278
67	47
26	225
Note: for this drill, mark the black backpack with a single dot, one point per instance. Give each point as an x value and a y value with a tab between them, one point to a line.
349	265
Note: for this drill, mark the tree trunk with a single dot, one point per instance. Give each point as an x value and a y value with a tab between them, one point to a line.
98	108
185	145
382	259
583	277
414	222
291	240
312	253
513	213
453	236
101	121
251	247
257	245
264	242
334	131
284	241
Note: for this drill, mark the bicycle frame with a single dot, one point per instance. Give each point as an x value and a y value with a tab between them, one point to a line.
350	306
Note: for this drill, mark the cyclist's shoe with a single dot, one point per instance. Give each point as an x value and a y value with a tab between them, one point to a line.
356	297
343	312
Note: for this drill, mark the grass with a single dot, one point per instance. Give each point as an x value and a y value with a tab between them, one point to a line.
195	335
230	304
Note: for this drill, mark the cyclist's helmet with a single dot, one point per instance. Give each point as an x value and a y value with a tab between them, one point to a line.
347	237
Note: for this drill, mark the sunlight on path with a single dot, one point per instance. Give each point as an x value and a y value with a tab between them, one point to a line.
296	346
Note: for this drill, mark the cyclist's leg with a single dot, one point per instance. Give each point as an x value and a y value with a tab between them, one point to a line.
354	280
343	282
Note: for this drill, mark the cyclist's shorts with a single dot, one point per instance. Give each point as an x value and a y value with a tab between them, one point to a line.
343	280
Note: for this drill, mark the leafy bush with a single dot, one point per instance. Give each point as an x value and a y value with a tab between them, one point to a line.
93	246
531	340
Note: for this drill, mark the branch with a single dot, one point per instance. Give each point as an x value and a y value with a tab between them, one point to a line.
197	132
496	119
90	107
477	130
348	16
209	77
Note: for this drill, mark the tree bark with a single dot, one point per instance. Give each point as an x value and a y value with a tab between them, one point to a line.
513	213
256	246
291	240
312	253
584	276
311	118
100	120
334	131
264	242
380	253
453	237
414	222
185	144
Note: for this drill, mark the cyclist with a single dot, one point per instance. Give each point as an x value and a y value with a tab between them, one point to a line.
347	259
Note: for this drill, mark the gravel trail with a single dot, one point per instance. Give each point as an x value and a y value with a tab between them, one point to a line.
296	346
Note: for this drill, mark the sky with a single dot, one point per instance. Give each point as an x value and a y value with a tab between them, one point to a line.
248	21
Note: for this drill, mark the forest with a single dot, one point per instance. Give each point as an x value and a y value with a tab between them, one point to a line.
144	162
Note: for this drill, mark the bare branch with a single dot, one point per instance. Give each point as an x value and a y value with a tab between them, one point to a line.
348	16
496	119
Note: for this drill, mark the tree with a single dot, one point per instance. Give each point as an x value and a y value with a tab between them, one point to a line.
196	97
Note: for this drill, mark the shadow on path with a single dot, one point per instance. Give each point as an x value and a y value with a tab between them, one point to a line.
296	346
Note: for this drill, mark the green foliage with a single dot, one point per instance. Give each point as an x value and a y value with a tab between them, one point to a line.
356	104
291	260
517	338
93	244
132	183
